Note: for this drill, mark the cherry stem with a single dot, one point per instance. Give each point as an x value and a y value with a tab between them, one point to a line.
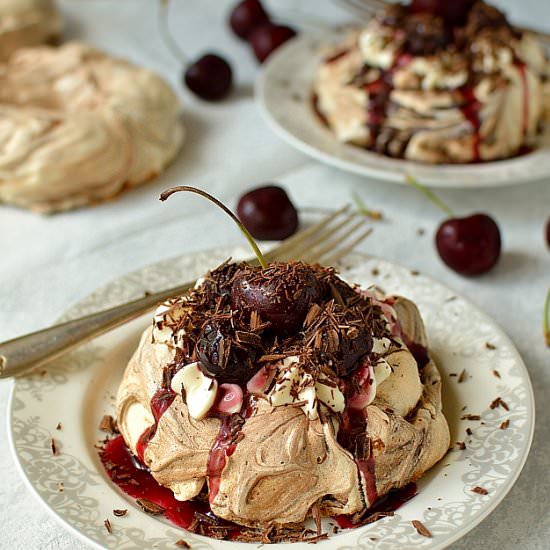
431	196
363	210
258	253
546	321
167	35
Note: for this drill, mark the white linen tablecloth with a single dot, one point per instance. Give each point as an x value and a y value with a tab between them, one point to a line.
48	263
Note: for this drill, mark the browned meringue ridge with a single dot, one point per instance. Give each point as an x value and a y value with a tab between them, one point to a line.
303	437
79	126
25	23
408	86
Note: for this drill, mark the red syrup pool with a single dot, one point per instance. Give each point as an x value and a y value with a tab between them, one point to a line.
135	480
386	505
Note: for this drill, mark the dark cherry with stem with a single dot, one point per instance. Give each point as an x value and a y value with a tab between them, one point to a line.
210	77
471	245
268	213
280	293
453	12
267	38
246	16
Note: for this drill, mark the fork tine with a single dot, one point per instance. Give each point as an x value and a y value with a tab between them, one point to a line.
326	245
362	12
302	238
337	255
303	248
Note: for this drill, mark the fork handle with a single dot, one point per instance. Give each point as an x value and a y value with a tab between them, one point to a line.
22	354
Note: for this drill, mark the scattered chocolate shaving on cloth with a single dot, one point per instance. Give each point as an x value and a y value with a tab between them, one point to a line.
53	446
182	544
480	491
504	425
120	513
108	526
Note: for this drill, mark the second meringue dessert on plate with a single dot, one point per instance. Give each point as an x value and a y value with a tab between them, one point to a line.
437	82
268	396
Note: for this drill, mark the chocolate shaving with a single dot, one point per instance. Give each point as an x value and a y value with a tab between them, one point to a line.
53	446
150	507
470	417
468	431
480	491
499	402
504	425
421	529
462	376
496	374
59	426
108	424
490	346
120	513
108	526
182	543
461	445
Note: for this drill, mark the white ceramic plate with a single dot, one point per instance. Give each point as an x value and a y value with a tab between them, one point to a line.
78	389
284	92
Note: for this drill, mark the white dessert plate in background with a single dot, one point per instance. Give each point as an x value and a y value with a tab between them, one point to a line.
284	92
79	388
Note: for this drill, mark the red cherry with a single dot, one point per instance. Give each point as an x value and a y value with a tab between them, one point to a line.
469	246
247	16
210	77
269	37
268	213
454	12
218	358
281	294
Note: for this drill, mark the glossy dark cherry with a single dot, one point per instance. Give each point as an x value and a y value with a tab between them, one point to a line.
210	77
220	357
268	213
267	38
469	246
247	16
454	12
280	296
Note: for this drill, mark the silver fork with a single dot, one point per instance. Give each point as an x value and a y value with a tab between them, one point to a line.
325	242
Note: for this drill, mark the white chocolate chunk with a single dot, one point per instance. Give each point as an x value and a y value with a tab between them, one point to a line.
199	390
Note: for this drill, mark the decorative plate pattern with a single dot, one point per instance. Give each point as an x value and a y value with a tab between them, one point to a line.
78	389
284	90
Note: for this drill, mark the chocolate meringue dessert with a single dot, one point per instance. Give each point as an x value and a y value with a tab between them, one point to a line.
26	23
436	82
265	397
80	126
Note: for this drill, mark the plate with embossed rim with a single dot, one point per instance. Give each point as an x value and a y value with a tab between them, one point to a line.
78	389
283	90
